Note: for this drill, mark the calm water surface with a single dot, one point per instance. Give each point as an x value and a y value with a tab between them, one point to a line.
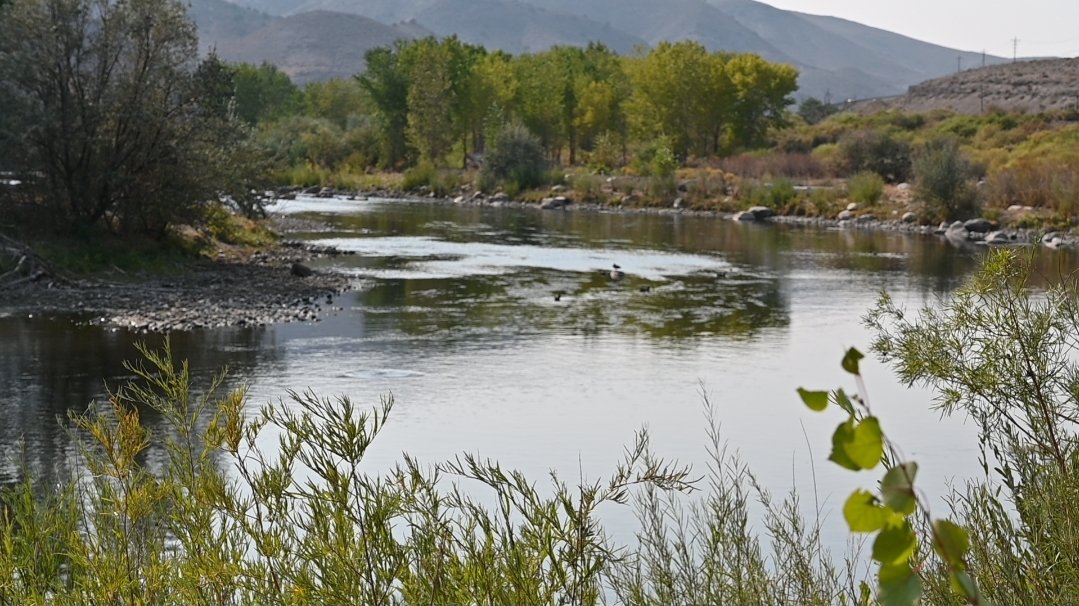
456	316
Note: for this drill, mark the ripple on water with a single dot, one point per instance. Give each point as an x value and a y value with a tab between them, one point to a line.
381	373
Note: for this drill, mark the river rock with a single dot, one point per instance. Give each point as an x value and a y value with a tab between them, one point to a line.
500	196
957	232
555	203
1053	240
845	215
980	226
852	206
909	217
1000	237
301	271
557	189
755	213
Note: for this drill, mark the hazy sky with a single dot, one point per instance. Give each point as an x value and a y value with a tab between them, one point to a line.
1044	27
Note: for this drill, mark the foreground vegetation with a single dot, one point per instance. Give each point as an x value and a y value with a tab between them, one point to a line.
204	512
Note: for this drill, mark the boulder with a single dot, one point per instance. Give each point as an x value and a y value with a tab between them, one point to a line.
500	197
558	189
301	271
852	206
980	226
1053	240
755	213
909	217
957	232
1000	237
845	215
554	203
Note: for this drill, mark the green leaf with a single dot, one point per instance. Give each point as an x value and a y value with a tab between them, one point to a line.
858	446
899	586
843	401
895	544
897	488
950	542
815	400
844	434
864	513
851	359
867	447
963	585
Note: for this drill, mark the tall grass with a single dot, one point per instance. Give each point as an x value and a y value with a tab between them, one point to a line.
201	513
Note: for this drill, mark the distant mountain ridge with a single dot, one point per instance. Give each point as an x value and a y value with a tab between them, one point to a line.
837	58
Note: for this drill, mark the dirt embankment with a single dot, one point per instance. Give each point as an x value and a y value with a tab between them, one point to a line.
1026	86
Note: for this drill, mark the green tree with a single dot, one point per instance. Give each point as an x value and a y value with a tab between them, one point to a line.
541	95
683	92
109	113
813	110
341	101
942	178
263	92
762	95
387	85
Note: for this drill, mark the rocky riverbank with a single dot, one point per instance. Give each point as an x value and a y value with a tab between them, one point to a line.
270	286
276	285
973	232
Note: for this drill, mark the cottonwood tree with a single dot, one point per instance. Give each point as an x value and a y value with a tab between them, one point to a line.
109	122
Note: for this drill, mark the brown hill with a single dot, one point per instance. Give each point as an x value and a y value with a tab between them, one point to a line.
1027	86
315	46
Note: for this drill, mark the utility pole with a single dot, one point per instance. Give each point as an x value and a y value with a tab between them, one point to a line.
1015	49
958	63
983	57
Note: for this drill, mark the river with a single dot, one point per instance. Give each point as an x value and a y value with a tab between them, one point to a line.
499	331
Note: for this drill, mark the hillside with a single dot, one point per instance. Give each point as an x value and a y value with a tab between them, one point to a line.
1029	86
317	45
837	58
520	28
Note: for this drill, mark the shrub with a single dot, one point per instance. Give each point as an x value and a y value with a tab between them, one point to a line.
776	195
421	175
942	180
877	151
865	187
607	154
1041	182
516	157
1006	358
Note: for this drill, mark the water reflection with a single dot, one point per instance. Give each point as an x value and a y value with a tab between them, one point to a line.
50	366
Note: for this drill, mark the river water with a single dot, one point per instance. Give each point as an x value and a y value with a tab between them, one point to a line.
500	332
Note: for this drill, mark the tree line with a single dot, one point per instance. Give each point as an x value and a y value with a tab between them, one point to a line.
424	100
